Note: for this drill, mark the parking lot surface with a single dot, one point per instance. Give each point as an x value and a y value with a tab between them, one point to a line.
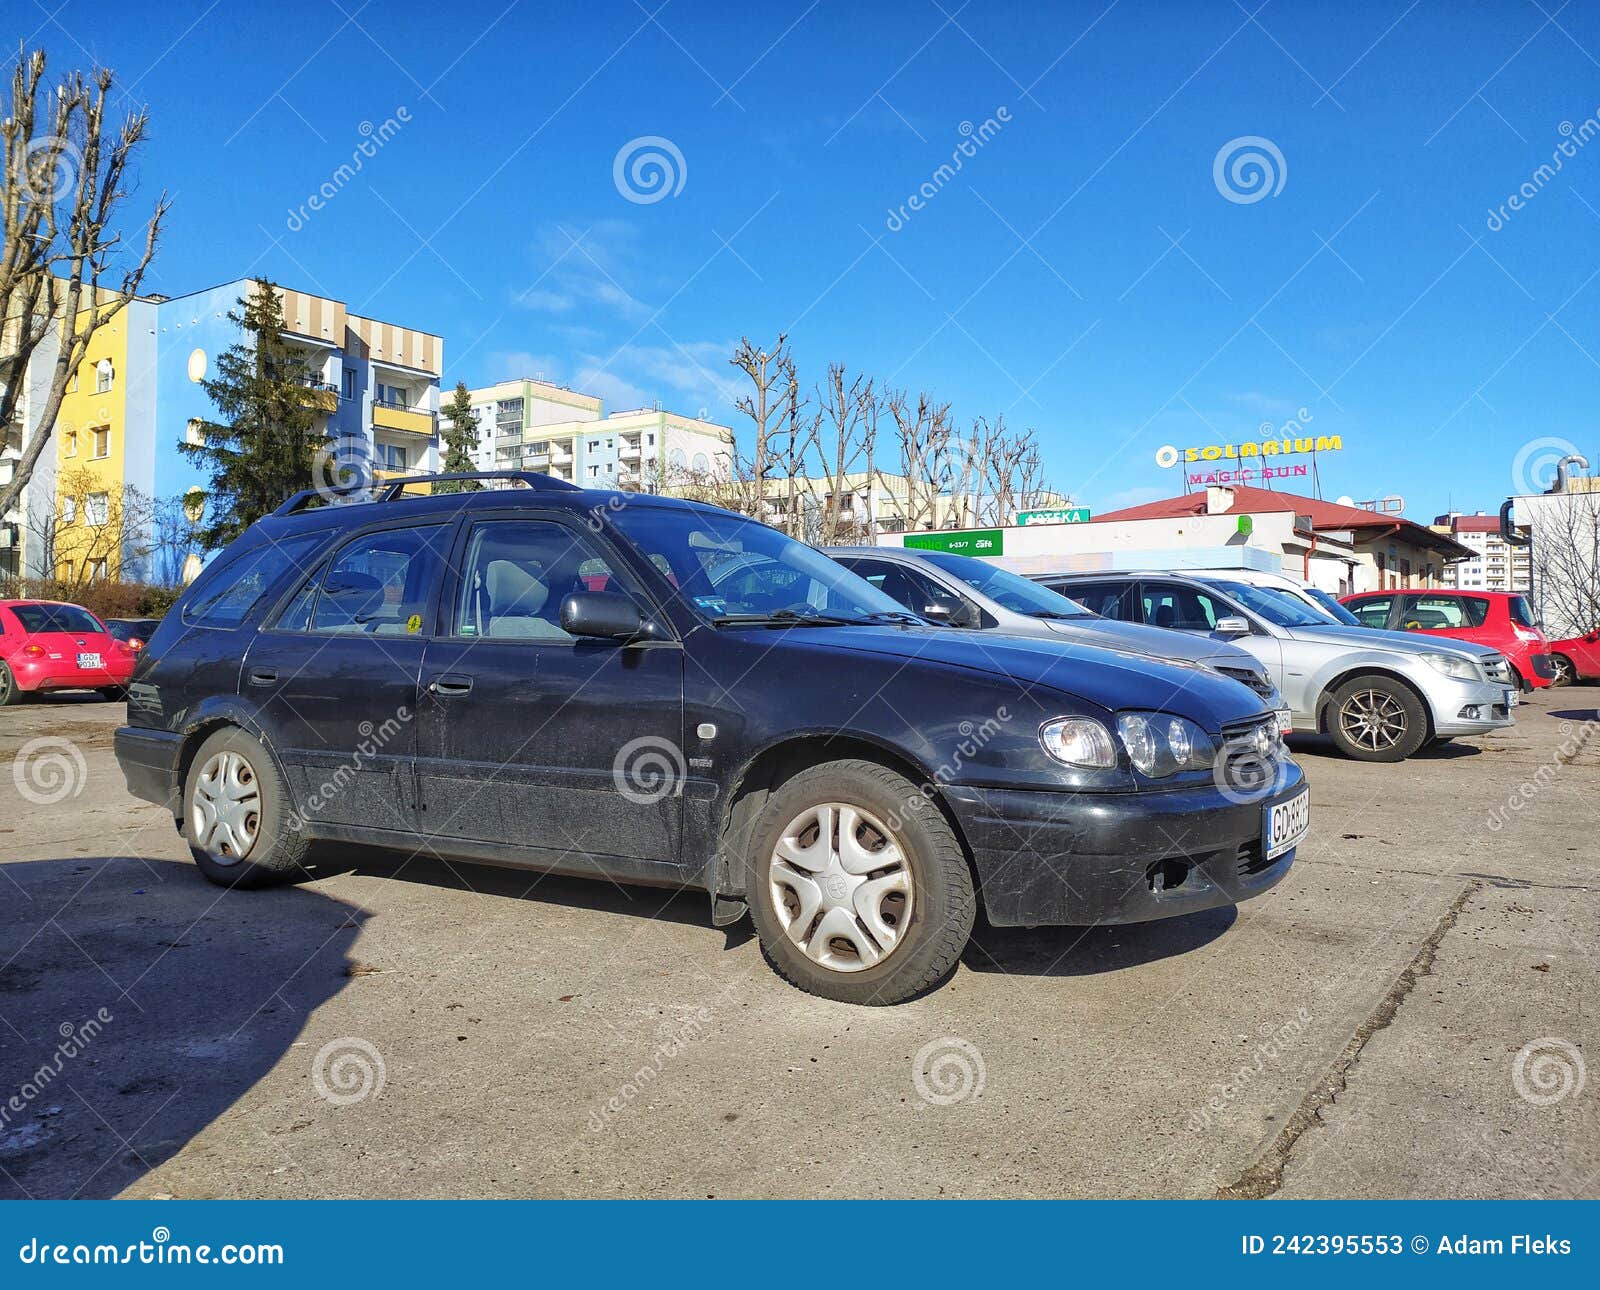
1407	1014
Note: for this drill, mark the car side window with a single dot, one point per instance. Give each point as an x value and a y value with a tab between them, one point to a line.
1181	608
225	595
516	573
1108	599
911	588
1435	613
378	584
1372	612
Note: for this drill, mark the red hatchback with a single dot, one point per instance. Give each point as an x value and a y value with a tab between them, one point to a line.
1501	620
1577	658
46	645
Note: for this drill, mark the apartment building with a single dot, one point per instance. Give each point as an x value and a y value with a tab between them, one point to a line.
138	396
1495	565
535	425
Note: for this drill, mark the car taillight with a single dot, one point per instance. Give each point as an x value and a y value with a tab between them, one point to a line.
124	647
33	651
136	645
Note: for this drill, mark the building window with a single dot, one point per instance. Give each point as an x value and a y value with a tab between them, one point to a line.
702	463
349	385
594	445
102	376
96	509
392	456
195	432
69	443
194	505
97	570
197	365
69	510
651	438
102	441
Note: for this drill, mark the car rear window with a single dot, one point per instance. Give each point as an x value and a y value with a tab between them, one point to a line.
56	618
225	594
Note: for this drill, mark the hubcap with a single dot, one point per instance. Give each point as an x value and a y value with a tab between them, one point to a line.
1373	719
226	812
840	885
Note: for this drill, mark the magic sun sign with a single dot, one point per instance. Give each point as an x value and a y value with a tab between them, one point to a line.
1260	452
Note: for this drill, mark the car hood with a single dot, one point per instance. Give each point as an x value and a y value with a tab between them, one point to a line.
1152	642
1115	680
1401	642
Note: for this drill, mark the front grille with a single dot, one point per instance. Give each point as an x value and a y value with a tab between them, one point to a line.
1253	859
1257	681
1497	669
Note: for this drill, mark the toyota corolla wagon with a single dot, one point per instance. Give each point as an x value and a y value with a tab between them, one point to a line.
661	692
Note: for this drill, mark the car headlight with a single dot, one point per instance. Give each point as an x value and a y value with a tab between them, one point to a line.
1456	665
1159	744
1078	741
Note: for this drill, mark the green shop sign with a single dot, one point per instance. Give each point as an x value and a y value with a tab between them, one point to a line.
1057	515
960	541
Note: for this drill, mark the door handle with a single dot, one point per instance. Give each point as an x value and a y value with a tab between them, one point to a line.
263	676
448	683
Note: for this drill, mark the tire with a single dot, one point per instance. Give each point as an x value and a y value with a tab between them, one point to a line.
1399	719
892	953
1566	673
10	692
1524	686
236	769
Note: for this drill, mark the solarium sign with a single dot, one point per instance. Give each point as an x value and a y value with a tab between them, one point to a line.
1226	463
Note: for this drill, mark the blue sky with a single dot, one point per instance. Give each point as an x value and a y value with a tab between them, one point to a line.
1083	273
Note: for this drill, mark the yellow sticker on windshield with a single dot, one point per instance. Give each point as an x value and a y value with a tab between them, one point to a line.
414	624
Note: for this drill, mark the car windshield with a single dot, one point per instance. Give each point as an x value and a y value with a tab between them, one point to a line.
56	618
1281	608
732	568
1334	609
1008	590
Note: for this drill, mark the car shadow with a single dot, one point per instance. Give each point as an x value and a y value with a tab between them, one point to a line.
688	906
1322	746
1575	714
1091	951
138	1003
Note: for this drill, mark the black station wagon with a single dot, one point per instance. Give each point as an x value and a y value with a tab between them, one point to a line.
657	691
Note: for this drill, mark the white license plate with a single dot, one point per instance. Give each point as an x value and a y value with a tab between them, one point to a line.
1513	698
1286	824
90	662
1285	721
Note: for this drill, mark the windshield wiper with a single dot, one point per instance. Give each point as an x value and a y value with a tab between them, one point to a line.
785	618
1056	614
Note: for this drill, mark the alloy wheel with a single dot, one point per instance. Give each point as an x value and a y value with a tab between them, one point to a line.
1565	673
1373	719
840	884
225	816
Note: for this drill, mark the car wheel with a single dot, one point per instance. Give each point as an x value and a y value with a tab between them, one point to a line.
236	814
1565	672
859	888
10	691
1375	718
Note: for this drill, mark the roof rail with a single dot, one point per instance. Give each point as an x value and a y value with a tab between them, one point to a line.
390	489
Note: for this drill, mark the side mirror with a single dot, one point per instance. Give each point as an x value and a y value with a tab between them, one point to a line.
1233	627
604	614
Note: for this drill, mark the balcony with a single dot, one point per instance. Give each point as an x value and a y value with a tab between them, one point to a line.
321	397
388	474
393	416
628	450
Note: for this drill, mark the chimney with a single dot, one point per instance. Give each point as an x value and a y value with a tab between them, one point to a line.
1219	500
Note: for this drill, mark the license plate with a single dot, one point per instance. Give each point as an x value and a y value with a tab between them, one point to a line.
90	662
1287	823
1285	721
1513	698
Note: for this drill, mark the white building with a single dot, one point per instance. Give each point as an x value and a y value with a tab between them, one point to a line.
1495	565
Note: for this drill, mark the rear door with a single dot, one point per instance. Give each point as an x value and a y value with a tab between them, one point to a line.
1438	614
333	676
533	738
1373	611
1108	599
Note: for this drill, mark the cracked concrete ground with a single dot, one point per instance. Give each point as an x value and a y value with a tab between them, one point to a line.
1406	1015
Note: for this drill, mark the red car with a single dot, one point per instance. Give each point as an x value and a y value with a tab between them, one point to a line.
46	645
1577	658
1501	620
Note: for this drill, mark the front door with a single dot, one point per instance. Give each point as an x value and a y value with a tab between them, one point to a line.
532	738
333	678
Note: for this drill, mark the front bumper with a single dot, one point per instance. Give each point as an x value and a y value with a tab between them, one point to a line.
1090	858
1468	707
149	761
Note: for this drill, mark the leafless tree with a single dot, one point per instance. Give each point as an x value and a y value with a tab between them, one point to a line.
923	432
842	436
96	529
65	174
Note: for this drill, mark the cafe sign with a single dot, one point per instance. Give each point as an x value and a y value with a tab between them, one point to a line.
959	541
